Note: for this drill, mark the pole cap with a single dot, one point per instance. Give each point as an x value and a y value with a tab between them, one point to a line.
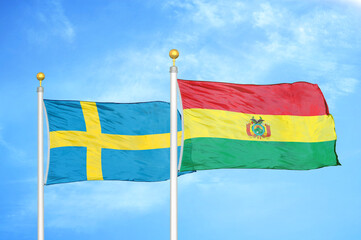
173	54
40	76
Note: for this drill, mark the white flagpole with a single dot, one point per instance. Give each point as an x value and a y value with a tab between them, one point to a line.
173	148
40	76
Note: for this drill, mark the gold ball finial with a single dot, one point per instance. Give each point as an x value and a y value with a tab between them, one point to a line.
173	54
40	76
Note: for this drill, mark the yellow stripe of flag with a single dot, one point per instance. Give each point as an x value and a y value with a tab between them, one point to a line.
201	123
111	141
93	155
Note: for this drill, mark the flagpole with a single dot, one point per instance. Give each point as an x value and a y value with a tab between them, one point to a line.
173	148
40	76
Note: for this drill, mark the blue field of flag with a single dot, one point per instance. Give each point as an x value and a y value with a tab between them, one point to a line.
108	141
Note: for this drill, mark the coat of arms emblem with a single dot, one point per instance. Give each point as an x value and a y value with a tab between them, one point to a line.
257	129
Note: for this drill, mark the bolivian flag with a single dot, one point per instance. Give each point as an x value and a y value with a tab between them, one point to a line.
281	126
108	141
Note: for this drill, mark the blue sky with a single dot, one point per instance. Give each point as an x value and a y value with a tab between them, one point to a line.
118	51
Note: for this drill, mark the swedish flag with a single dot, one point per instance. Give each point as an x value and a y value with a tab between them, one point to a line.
108	141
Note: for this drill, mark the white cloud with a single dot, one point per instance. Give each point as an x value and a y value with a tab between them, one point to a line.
13	151
302	40
135	75
348	85
352	2
211	13
84	205
309	41
213	186
338	87
267	16
53	22
313	43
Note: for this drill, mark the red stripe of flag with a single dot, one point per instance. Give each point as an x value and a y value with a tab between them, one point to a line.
299	99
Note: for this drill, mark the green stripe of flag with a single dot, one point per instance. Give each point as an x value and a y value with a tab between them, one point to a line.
216	153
